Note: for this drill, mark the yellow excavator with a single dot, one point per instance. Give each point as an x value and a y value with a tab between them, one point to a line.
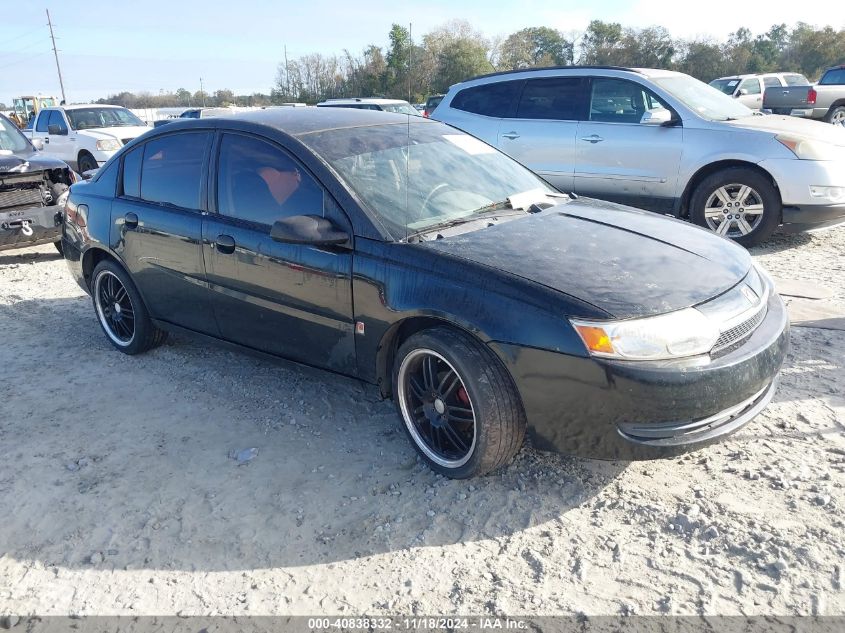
26	108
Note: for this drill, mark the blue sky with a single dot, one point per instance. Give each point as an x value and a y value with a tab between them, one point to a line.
106	47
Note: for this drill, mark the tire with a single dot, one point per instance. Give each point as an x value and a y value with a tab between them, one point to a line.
59	247
836	116
111	287
489	427
86	162
715	205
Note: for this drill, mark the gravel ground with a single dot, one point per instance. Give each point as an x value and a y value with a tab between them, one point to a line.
118	494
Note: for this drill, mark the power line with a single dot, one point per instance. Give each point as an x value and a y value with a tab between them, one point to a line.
20	37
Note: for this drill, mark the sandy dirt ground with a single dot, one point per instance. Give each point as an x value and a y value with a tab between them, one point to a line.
118	495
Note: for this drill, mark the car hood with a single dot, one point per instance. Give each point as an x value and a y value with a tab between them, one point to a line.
626	262
28	162
115	132
777	124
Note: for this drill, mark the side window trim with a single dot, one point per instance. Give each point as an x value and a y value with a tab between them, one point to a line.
121	192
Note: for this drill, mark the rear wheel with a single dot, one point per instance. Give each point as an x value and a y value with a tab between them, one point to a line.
459	405
121	312
836	116
737	203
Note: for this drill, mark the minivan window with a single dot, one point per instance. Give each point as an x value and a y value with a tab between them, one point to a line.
555	98
171	171
488	99
260	183
620	101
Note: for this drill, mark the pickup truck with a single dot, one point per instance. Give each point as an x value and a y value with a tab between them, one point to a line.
85	136
824	101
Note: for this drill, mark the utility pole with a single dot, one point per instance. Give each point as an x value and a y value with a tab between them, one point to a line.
202	93
56	54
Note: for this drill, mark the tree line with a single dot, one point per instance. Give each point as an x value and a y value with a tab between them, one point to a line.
411	69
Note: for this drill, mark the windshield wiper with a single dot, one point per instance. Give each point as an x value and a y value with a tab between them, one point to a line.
487	211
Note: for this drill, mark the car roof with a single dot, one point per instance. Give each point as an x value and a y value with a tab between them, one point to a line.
77	106
301	121
363	100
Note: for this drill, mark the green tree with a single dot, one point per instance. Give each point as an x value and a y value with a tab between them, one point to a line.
534	46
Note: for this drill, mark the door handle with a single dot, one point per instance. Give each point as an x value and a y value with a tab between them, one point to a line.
593	138
225	244
45	139
130	220
510	135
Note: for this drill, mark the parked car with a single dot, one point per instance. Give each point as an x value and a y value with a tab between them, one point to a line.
749	89
33	189
431	103
662	141
824	101
415	257
385	105
85	136
196	113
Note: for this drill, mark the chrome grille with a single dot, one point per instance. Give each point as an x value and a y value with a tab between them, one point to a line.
740	331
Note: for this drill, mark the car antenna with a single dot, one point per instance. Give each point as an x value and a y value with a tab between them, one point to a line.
408	123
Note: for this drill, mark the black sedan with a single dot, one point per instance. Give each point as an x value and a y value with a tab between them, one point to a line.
410	255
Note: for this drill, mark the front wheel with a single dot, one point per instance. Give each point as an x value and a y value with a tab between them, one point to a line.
737	203
86	162
836	116
121	312
458	403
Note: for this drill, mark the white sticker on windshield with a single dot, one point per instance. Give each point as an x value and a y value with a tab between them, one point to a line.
469	144
731	84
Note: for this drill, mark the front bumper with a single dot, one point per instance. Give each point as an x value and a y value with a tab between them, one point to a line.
812	216
643	410
45	223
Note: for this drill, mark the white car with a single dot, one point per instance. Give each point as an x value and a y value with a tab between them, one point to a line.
385	105
85	136
661	141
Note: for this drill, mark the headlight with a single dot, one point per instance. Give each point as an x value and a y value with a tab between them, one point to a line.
675	335
806	149
108	145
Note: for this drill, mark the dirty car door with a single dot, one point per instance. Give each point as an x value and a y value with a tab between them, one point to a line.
293	300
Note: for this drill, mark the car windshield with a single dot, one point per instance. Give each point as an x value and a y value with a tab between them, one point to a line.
422	174
702	99
11	139
88	118
725	85
400	108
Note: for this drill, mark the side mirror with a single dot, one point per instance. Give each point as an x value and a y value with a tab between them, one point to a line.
56	129
307	229
38	144
658	116
743	92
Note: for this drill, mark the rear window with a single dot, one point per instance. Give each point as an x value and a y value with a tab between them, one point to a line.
493	99
171	172
132	172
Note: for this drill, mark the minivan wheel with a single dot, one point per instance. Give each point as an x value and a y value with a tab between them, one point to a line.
836	116
737	203
121	312
458	403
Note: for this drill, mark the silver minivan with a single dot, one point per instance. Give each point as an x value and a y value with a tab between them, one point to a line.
662	141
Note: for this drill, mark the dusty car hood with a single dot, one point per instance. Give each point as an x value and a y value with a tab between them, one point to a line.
28	162
777	124
626	262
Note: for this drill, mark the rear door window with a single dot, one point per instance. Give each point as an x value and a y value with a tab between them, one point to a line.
751	85
172	167
771	82
556	98
494	100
